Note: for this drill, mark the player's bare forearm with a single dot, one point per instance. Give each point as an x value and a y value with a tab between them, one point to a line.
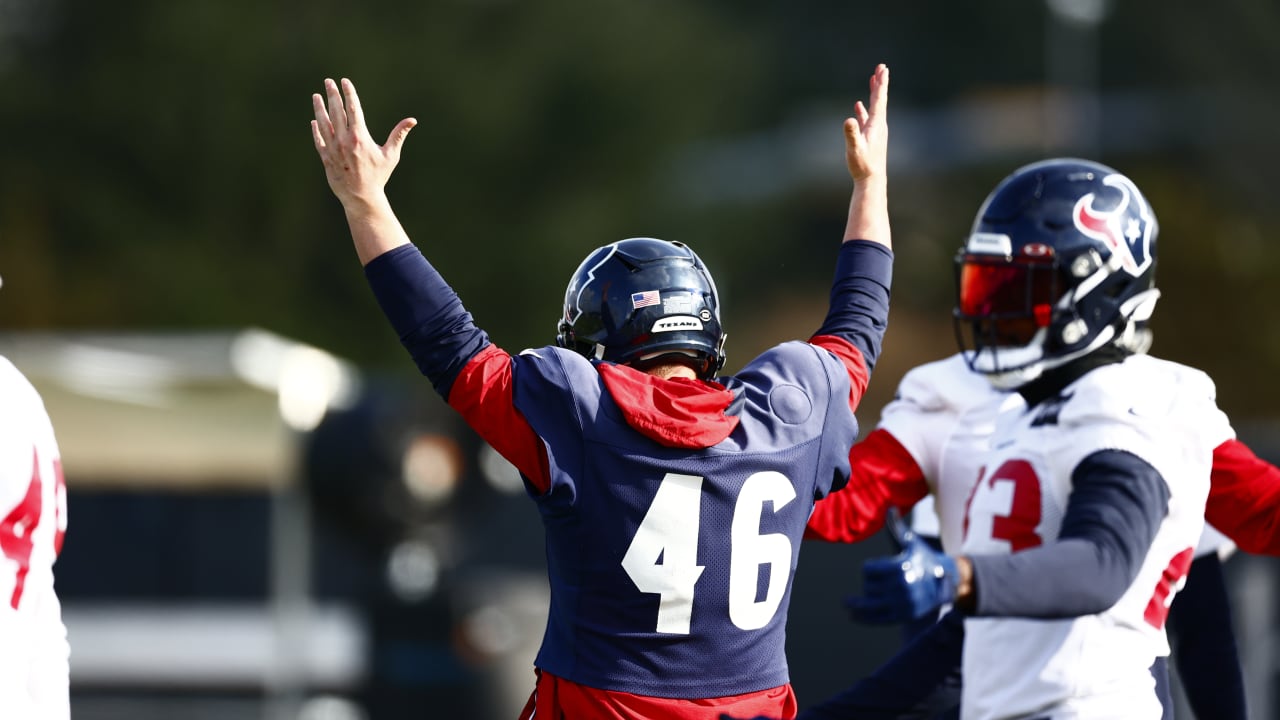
358	168
869	212
866	140
375	229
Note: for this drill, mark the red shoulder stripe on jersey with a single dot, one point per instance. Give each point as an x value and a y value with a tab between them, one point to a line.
483	395
882	475
851	356
1244	498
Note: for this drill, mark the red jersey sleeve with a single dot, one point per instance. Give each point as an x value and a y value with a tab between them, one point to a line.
483	395
882	475
854	363
1244	498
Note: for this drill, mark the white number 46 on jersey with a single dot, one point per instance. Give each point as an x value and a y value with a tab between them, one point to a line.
663	556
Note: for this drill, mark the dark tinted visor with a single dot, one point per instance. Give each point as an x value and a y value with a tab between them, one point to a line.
996	287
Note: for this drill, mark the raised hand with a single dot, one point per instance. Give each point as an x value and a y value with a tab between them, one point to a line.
905	586
866	150
356	166
866	134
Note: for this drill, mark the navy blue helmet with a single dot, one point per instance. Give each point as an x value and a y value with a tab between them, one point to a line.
1060	262
642	302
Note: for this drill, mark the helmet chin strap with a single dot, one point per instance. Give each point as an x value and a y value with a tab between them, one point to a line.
1017	377
1134	337
1137	336
1014	379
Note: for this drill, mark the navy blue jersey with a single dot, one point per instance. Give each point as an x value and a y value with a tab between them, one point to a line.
673	507
647	543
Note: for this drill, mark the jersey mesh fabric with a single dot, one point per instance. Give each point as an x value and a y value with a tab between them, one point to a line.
751	495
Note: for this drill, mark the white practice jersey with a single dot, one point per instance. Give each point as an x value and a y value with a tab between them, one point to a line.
1095	666
33	640
924	417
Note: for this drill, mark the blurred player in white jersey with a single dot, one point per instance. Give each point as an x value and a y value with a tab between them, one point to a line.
1206	656
1090	499
33	641
941	455
921	452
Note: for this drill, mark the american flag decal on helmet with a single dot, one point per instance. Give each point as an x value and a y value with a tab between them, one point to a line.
644	299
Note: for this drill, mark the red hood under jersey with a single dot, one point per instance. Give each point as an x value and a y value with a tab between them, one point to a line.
676	412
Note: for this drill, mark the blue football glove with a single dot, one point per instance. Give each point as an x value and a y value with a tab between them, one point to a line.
906	586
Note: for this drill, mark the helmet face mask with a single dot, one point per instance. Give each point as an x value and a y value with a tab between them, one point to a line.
1060	262
1007	302
643	302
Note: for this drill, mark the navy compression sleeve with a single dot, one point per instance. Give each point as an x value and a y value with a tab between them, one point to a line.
1117	503
1160	673
859	308
1204	643
426	314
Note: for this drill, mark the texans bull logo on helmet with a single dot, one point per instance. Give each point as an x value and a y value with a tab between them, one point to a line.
1130	243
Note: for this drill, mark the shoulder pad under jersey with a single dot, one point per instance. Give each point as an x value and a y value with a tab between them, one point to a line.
946	385
1144	386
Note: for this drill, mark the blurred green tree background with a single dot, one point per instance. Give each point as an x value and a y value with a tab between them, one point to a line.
157	169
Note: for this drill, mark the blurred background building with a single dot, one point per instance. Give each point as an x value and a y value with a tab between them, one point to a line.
289	524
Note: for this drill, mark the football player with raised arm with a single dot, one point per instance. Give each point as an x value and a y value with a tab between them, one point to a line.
932	452
34	653
1054	283
673	502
